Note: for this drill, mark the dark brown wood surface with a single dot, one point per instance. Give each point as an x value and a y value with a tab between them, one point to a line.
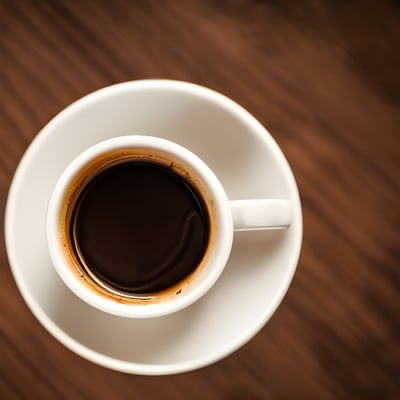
324	78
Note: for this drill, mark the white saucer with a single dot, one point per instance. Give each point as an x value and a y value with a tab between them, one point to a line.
249	165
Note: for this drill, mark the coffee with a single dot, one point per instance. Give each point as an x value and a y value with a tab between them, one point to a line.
139	227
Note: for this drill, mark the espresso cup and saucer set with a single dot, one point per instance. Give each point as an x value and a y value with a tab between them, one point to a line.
153	227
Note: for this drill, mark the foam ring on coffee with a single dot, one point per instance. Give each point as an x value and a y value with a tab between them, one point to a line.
84	177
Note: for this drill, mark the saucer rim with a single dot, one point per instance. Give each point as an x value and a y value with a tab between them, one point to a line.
100	358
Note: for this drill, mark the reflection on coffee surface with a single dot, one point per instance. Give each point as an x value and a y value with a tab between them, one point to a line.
139	227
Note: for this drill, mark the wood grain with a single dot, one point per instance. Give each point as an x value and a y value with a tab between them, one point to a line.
323	76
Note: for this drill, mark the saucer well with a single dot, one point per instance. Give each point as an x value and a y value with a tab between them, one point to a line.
249	164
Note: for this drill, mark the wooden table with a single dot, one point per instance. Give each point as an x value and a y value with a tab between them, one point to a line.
324	78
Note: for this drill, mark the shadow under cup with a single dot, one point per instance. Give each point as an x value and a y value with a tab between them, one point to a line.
85	281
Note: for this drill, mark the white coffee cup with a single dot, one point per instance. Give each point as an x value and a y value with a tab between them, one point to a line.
225	218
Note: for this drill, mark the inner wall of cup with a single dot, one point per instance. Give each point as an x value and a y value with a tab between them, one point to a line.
84	176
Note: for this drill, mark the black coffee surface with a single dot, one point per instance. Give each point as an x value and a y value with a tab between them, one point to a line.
140	227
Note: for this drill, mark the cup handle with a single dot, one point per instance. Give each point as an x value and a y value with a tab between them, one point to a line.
261	214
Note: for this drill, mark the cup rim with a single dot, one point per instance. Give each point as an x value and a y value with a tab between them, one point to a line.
212	264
